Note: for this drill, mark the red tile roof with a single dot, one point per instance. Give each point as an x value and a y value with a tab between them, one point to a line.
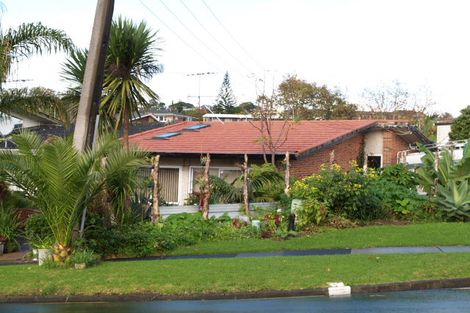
243	137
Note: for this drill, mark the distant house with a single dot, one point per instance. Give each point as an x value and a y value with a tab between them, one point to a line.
209	117
47	127
161	116
409	115
443	128
310	144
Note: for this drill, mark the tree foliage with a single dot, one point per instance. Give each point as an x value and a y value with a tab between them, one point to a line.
302	100
61	182
26	40
180	107
225	102
130	60
460	128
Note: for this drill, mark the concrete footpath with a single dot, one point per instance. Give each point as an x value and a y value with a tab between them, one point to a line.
310	252
17	258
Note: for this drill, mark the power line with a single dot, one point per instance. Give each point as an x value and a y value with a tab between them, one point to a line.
213	37
193	34
231	36
178	36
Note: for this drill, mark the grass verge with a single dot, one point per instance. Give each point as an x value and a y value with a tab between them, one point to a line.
182	277
433	234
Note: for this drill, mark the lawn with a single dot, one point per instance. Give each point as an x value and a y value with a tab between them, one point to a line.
179	277
433	234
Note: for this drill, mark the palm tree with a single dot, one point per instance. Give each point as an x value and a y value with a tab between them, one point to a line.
130	61
26	40
61	182
34	100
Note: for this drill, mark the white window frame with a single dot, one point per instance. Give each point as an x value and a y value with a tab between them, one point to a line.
375	155
219	168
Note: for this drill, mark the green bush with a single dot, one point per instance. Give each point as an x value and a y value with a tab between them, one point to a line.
38	233
310	212
9	227
84	256
398	193
133	240
188	229
350	194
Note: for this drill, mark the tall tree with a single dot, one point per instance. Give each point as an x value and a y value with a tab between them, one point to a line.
225	102
303	100
26	40
296	96
387	98
460	128
130	60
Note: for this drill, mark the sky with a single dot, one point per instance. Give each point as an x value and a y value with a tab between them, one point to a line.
346	44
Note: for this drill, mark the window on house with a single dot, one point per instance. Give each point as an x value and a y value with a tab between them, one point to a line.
227	174
374	161
168	179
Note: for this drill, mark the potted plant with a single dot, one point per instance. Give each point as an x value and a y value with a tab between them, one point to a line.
9	227
2	244
82	259
41	248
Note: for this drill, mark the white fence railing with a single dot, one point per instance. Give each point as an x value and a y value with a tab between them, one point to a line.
232	209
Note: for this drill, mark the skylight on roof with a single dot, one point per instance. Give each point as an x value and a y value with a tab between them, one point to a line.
167	135
196	127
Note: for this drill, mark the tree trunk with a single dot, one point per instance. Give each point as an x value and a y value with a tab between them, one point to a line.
156	189
126	121
287	174
206	193
246	199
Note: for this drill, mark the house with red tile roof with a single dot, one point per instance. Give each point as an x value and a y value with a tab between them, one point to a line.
309	144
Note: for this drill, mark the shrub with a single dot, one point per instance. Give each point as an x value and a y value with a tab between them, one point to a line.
310	212
133	240
346	193
188	229
9	227
399	201
84	256
38	232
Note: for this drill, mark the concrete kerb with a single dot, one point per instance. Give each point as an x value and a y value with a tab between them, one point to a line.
359	289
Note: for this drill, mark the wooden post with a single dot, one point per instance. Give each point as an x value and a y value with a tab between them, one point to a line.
332	158
206	190
155	214
287	174
246	198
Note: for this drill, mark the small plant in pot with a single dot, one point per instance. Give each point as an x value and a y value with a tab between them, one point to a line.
82	259
41	248
2	244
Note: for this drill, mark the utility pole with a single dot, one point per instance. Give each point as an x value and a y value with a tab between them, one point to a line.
85	125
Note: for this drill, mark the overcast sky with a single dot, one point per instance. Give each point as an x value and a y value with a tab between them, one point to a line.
346	44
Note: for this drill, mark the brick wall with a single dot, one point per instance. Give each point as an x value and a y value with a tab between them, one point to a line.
344	153
392	145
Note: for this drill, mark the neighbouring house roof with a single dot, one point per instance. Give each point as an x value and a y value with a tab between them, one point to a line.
58	130
154	113
304	137
234	116
445	122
